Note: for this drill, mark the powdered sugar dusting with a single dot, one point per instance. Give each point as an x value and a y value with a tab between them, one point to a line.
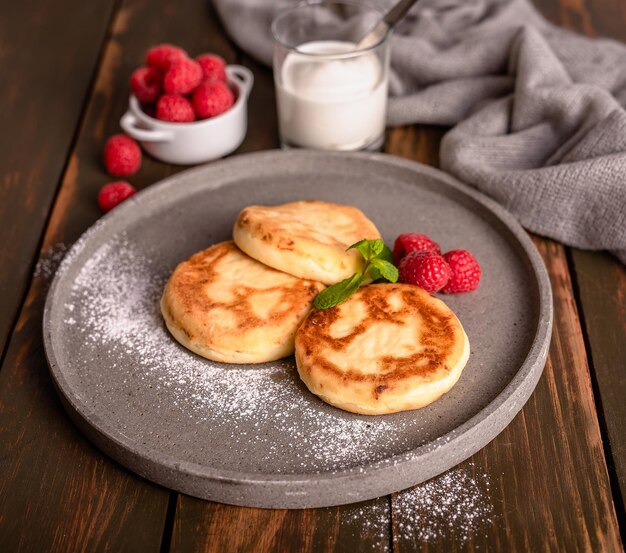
261	410
369	522
454	505
49	261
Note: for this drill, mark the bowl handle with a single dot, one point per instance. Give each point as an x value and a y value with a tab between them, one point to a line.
128	122
242	76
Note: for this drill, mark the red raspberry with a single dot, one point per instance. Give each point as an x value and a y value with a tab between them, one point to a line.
114	193
425	269
122	156
213	67
182	76
212	98
174	108
162	55
412	242
145	83
466	272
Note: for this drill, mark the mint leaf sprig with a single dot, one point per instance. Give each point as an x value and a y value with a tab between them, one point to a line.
378	264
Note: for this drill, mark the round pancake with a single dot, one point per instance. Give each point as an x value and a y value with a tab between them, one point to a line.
225	306
306	239
387	348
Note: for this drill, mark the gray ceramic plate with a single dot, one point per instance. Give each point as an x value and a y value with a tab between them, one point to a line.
253	435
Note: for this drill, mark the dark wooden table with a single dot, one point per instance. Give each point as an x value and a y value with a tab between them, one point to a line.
557	473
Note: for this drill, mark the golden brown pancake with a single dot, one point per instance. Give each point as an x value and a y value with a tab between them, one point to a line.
225	306
387	348
306	239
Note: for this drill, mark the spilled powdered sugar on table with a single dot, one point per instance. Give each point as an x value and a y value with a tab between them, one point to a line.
454	506
49	261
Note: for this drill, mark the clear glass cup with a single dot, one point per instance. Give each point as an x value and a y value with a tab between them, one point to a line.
330	95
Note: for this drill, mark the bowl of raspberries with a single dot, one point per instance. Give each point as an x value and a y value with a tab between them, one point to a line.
187	110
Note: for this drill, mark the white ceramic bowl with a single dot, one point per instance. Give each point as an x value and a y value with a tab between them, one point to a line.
197	142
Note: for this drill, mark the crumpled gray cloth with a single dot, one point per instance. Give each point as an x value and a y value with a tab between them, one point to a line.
537	112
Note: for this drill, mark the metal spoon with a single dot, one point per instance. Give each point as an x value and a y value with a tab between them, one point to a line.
388	22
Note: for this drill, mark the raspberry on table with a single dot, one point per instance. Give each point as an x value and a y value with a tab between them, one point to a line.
212	98
175	109
413	242
145	83
213	67
114	193
466	272
425	269
162	55
182	76
122	156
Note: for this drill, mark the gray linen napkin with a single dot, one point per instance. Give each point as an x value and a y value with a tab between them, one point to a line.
539	115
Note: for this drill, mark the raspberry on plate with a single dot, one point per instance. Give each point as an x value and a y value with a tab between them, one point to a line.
213	67
466	272
182	76
175	109
122	156
145	83
114	193
425	269
212	98
162	55
413	242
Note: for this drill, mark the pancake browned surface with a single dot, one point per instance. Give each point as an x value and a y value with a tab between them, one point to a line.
387	348
306	239
226	306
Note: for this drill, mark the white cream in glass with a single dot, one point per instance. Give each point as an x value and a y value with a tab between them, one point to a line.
330	96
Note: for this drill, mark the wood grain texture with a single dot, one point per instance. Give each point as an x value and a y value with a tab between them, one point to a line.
48	64
214	528
57	492
262	119
601	284
604	18
549	484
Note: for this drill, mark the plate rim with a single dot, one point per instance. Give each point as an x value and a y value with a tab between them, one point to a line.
148	462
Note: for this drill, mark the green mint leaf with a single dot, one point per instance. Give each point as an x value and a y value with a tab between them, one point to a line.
386	254
387	270
373	273
336	293
368	248
363	247
378	264
376	247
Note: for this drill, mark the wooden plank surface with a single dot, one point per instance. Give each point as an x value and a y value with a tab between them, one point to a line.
601	285
202	526
58	493
47	63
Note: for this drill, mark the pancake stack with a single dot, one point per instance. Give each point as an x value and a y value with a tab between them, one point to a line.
387	348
